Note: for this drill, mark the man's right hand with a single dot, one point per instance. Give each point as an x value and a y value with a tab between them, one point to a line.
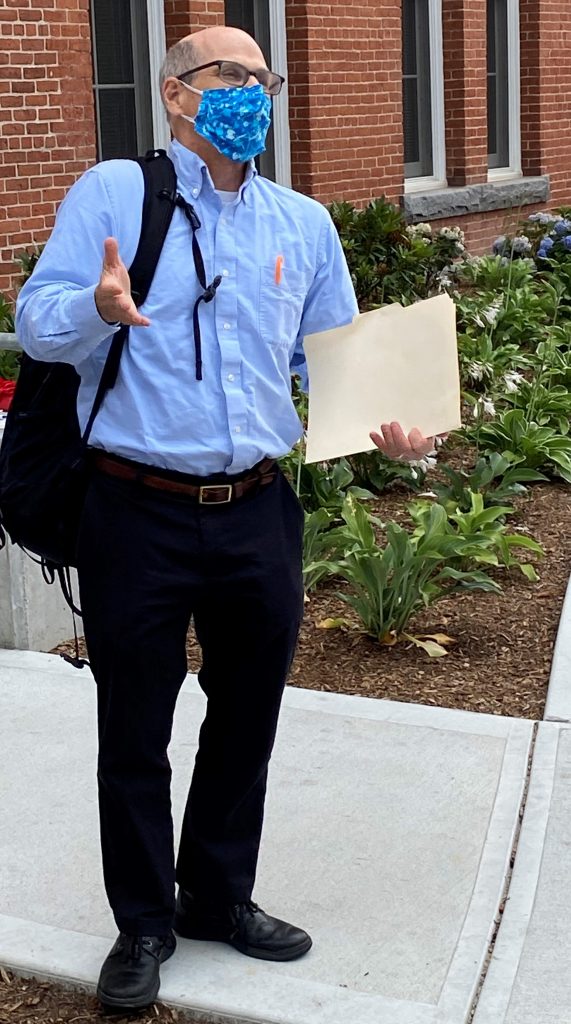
113	293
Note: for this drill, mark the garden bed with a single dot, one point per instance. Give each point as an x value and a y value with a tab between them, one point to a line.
501	661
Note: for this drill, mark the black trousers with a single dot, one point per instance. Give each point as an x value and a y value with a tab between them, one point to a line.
147	562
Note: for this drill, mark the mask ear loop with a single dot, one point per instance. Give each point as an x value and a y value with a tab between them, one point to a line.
209	291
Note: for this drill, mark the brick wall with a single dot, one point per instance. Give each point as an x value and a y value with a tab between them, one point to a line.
465	90
546	93
184	16
47	129
344	74
344	79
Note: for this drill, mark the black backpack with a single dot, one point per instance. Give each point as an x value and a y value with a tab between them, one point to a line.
43	456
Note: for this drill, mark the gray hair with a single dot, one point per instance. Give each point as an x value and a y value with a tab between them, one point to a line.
179	58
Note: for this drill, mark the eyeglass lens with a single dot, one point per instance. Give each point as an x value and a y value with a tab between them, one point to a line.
237	74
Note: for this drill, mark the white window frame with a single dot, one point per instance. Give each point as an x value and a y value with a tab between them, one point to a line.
513	170
282	137
438	178
157	51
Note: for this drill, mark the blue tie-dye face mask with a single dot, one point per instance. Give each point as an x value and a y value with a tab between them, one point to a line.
234	120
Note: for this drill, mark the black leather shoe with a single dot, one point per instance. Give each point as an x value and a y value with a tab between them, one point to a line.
129	978
243	926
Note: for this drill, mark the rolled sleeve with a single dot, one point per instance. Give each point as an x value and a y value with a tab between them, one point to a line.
331	300
56	315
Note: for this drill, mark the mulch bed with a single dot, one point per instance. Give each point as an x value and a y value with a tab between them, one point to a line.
28	1001
501	659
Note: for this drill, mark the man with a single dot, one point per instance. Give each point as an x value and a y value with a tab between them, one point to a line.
187	513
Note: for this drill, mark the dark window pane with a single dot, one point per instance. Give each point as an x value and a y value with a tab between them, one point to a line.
498	84
118	124
411	133
409	37
113	42
417	100
253	16
492	119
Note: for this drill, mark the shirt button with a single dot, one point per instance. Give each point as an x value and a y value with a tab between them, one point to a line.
227	327
230	376
195	191
237	430
225	273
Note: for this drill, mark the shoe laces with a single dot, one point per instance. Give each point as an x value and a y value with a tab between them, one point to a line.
134	948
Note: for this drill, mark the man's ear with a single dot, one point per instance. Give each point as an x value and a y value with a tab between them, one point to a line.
172	95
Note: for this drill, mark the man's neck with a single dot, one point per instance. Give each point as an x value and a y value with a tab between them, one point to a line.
226	174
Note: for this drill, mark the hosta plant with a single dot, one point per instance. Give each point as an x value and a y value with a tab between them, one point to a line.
537	447
485	536
496	477
389	585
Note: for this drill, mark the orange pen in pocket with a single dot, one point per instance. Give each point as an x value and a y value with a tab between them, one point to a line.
279	265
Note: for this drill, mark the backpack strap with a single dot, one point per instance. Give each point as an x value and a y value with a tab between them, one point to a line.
160	183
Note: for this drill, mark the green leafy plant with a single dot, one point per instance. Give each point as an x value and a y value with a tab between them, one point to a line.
317	544
537	447
389	585
374	472
550	405
496	477
485	536
28	259
390	261
321	484
6	315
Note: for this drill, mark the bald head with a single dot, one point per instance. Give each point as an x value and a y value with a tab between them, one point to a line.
221	42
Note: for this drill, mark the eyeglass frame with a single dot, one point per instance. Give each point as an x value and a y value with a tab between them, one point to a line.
218	63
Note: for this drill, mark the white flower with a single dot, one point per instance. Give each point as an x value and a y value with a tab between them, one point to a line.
453	234
543	218
492	312
521	244
476	370
512	380
483	406
423	230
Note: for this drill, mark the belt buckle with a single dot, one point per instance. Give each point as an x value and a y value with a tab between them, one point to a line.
215	487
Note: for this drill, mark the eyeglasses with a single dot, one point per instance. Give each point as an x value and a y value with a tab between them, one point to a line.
235	74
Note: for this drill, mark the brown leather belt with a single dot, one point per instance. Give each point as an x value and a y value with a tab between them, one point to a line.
204	494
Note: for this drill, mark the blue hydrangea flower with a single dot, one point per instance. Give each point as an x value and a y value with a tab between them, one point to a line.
499	245
567	242
562	227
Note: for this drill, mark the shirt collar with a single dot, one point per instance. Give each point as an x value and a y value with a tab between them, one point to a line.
194	175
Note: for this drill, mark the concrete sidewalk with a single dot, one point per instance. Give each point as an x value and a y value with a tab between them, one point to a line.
389	831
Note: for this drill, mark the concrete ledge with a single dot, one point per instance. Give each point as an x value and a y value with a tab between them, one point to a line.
492	195
558	704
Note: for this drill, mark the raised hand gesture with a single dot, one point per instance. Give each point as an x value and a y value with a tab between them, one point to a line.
113	293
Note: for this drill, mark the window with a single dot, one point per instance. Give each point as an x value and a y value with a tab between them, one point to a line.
503	85
423	91
121	80
254	17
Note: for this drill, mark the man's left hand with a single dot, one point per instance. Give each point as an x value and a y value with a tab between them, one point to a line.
394	443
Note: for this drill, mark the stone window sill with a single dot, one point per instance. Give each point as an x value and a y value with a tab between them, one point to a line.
469	199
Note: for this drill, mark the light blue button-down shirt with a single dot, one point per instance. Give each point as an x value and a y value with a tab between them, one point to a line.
252	333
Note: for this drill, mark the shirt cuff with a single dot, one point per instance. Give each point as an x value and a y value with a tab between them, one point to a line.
84	317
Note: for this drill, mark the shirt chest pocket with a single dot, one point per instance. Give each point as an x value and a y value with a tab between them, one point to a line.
280	304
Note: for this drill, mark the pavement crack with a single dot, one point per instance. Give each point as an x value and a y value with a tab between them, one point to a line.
508	881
